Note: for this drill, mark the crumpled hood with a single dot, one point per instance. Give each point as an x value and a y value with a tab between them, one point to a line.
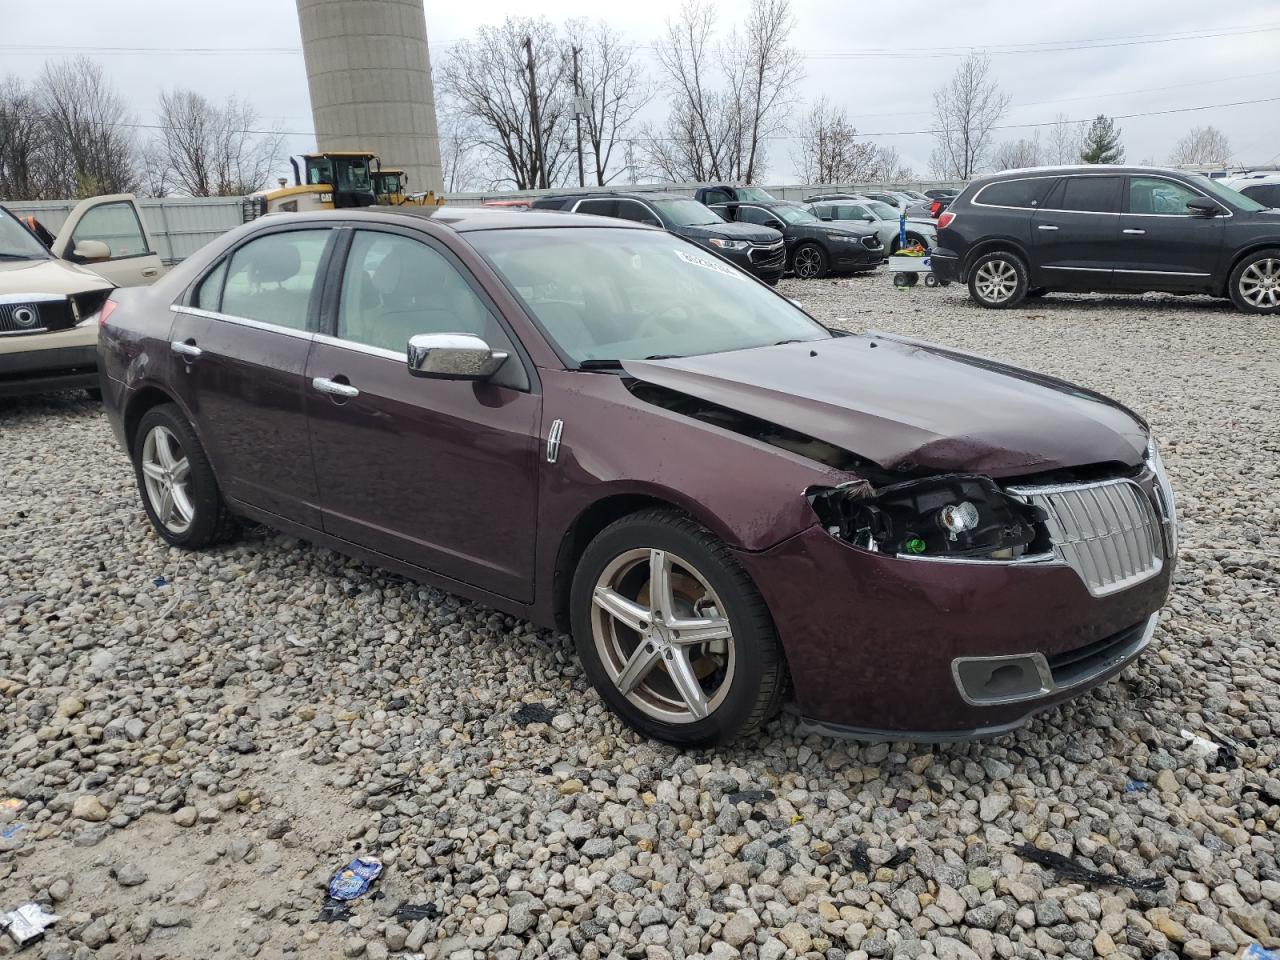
48	276
911	406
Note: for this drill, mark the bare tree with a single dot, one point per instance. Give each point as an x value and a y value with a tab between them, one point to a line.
1015	154
1065	141
23	145
489	81
615	87
204	150
829	149
93	148
966	111
458	153
890	168
727	100
1202	146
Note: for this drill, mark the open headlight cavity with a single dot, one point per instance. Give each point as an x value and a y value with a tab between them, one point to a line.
949	516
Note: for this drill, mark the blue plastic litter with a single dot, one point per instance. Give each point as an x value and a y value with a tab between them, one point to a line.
1256	952
9	833
1136	786
160	582
353	880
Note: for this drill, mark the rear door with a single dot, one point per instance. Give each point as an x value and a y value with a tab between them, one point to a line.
441	474
1162	244
239	349
116	221
1076	240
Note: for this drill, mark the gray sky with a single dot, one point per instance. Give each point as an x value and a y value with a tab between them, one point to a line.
882	94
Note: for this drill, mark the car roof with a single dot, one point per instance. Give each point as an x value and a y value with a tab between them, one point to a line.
1095	168
465	219
616	195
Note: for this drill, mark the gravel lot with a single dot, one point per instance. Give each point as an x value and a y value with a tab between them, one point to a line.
187	760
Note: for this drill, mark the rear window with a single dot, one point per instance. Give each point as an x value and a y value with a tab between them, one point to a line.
1090	195
1014	193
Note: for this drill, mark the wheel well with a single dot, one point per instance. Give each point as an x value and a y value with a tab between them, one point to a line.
581	532
141	402
994	246
1224	286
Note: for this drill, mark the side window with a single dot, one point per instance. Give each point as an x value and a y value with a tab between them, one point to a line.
1091	194
825	211
270	279
116	225
854	213
716	196
1268	193
1014	193
395	287
601	208
754	215
1155	195
636	211
209	293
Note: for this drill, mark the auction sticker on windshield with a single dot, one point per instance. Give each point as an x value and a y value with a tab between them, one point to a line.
703	262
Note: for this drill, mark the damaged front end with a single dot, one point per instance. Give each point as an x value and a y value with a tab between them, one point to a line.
23	313
952	516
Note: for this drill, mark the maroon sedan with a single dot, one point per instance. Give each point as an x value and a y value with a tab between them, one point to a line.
604	428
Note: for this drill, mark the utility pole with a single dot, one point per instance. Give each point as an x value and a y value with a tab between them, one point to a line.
539	171
577	115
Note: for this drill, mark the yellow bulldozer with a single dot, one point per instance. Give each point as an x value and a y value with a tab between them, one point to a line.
336	179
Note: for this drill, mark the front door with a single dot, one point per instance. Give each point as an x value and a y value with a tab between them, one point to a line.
1163	245
441	474
1076	232
130	258
239	350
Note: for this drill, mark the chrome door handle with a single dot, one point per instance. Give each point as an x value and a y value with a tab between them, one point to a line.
150	271
333	388
185	349
1045	226
1135	232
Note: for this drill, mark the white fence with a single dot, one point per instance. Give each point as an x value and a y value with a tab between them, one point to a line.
182	225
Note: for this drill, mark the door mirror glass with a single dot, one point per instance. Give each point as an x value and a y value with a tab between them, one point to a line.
453	356
773	224
89	250
1203	207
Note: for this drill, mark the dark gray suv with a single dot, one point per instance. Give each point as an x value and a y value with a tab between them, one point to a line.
1024	233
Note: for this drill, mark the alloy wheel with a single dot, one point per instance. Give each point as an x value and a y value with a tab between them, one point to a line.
663	635
996	281
1260	283
166	474
808	262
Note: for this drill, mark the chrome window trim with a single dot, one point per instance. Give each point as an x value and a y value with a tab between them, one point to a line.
1049	266
1103	213
242	321
355	345
974	202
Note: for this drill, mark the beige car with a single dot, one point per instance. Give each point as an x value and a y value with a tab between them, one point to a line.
49	298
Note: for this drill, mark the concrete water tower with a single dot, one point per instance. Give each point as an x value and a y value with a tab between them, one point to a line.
369	74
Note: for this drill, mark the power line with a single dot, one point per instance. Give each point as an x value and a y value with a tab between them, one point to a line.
878	133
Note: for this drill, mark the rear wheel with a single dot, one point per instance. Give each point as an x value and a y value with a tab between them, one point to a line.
672	632
179	491
809	262
1255	283
998	280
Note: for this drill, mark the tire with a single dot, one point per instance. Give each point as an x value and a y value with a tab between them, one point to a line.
196	516
998	280
809	262
930	280
737	680
1255	283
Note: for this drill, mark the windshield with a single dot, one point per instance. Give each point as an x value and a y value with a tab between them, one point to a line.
794	214
16	242
353	175
914	194
607	294
883	210
687	213
1226	194
754	193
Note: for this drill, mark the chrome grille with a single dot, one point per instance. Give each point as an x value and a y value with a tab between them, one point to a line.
1106	532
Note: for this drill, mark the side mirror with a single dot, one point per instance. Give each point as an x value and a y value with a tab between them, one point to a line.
453	356
869	219
828	219
773	224
91	250
1203	207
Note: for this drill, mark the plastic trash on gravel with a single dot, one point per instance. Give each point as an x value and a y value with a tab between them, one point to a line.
27	923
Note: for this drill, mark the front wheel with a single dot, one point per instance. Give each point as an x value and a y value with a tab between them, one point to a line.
672	632
998	281
179	491
1255	283
810	262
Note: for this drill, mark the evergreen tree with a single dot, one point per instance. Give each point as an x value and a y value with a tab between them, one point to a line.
1102	143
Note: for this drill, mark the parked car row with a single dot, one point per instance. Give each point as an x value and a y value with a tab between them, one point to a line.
608	430
1109	229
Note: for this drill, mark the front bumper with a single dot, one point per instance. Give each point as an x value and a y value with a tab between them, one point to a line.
874	642
855	256
764	261
45	362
